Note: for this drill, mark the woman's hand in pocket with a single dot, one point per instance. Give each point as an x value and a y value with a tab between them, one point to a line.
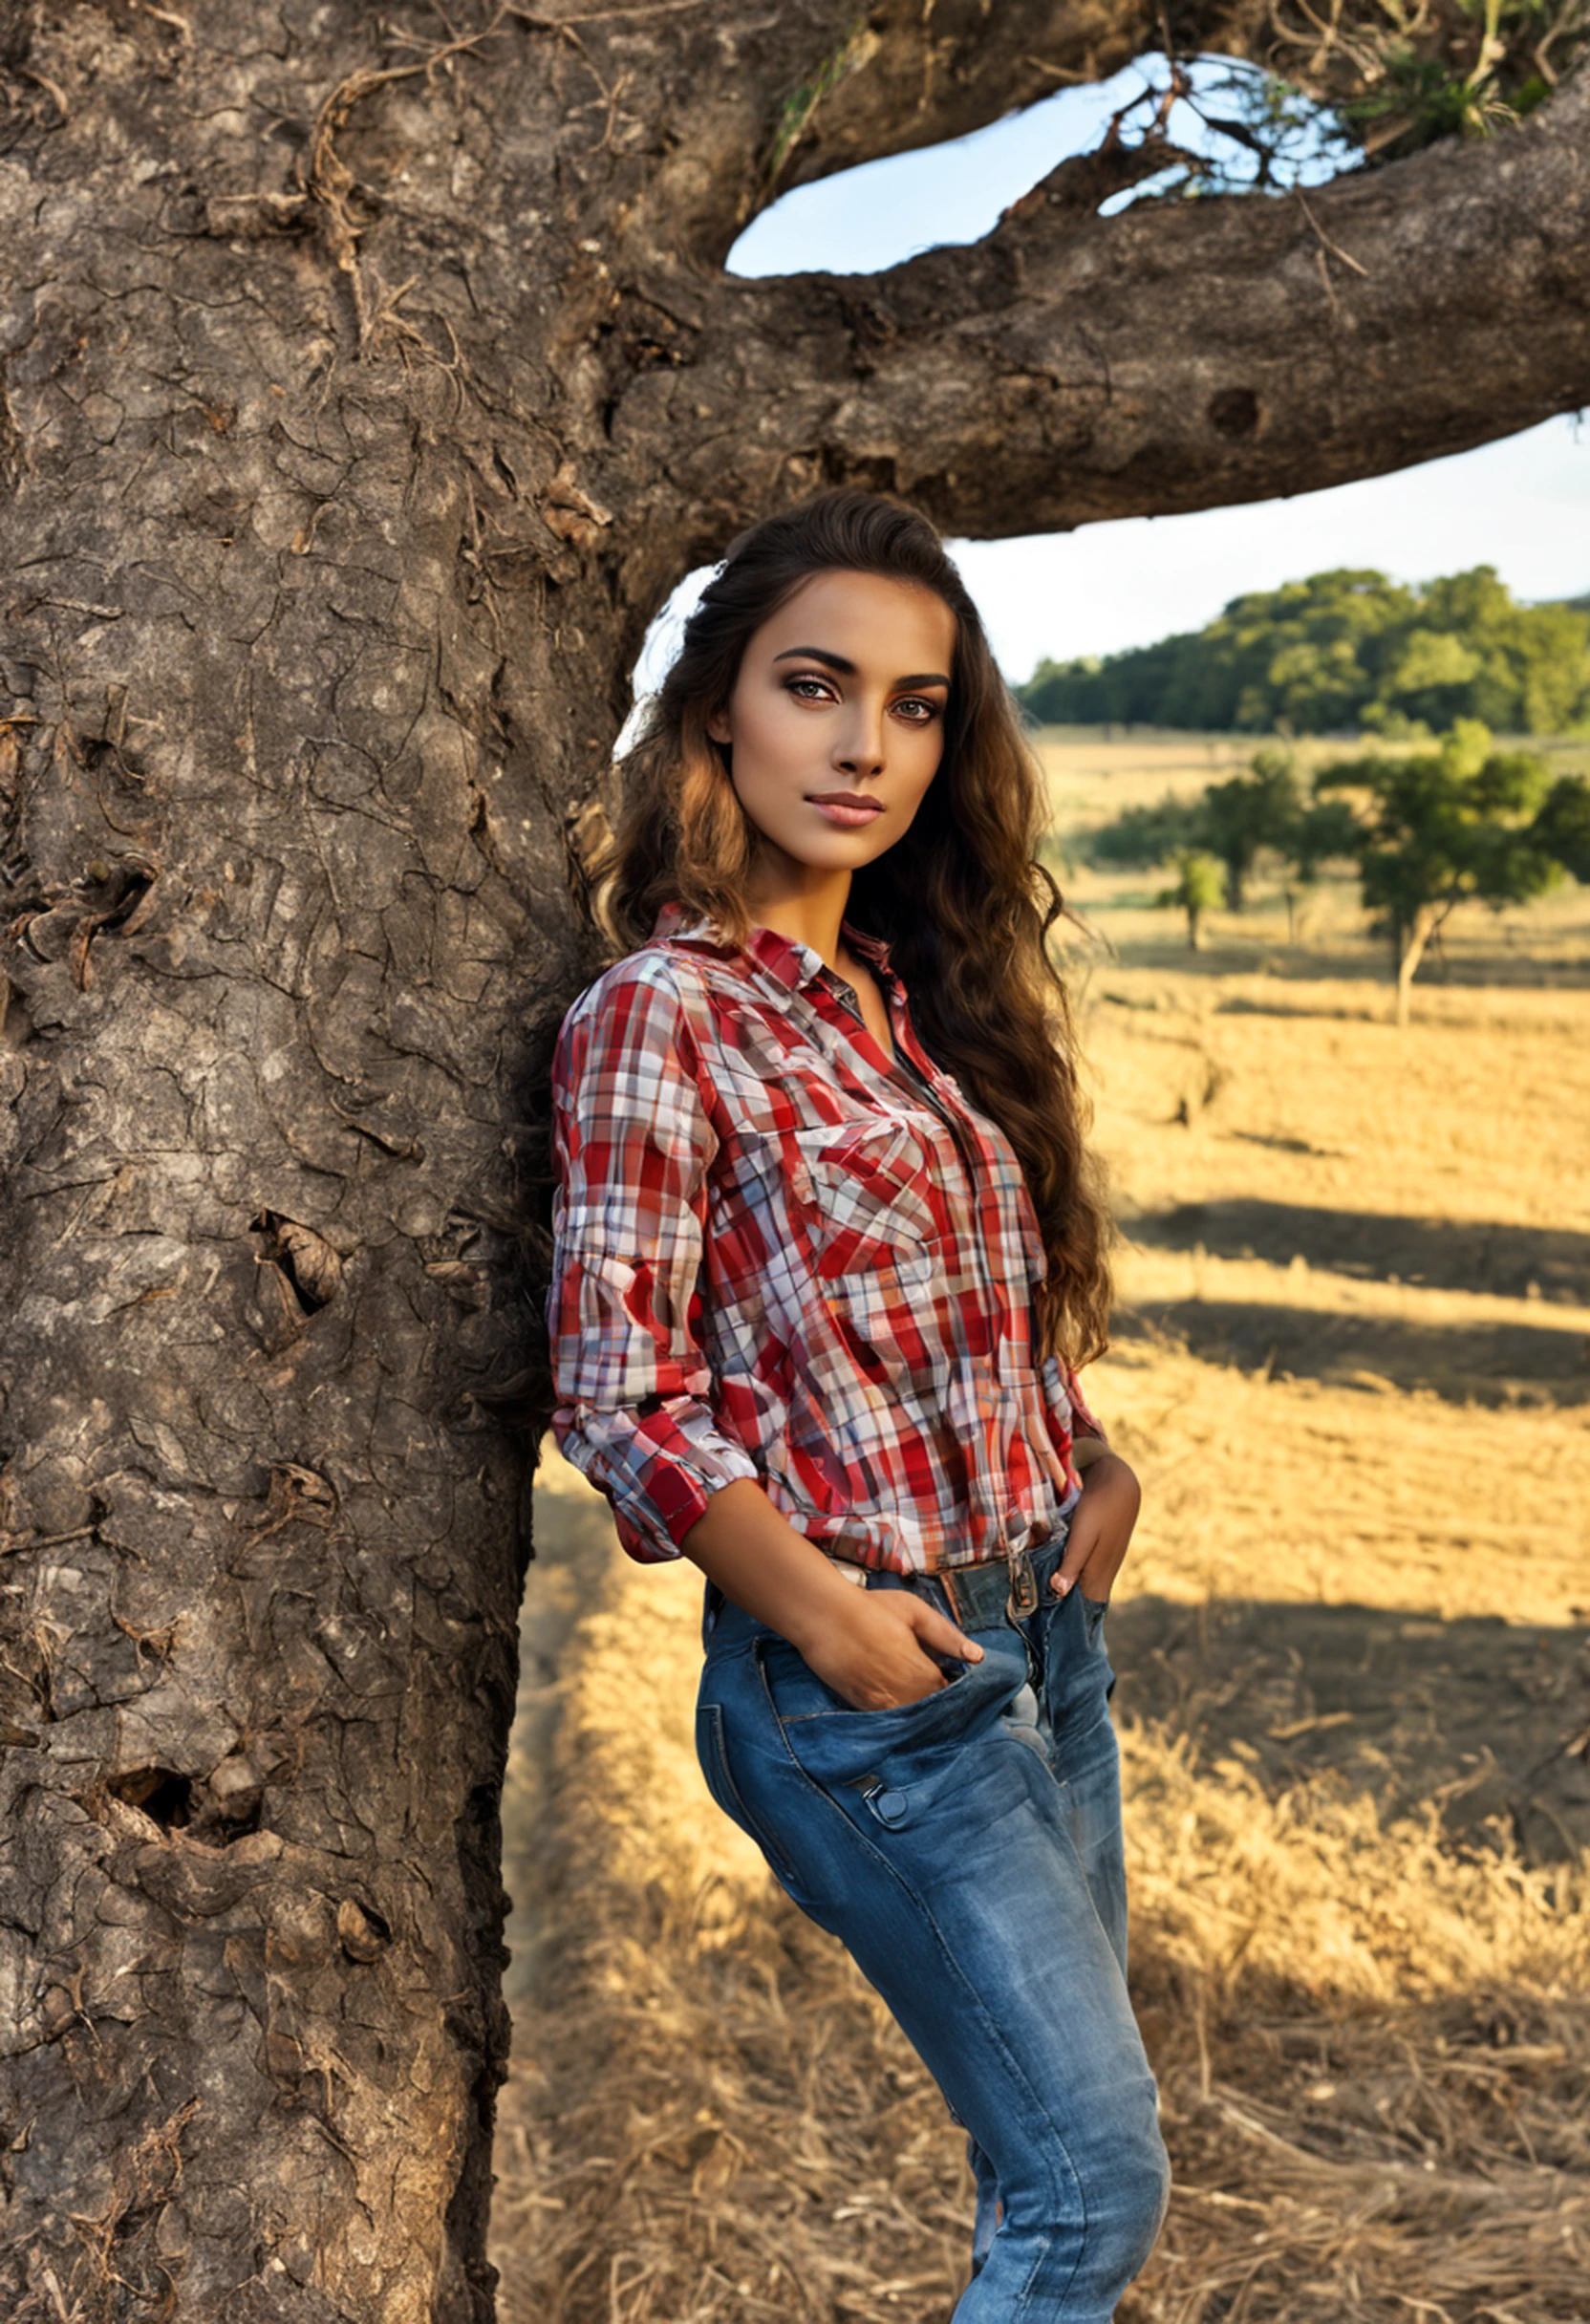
1101	1529
877	1651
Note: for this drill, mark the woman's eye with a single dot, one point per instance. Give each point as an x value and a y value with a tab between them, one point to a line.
806	688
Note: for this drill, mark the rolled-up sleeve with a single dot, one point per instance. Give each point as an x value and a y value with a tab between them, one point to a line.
633	1142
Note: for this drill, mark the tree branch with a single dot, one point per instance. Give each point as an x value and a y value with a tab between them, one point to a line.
924	74
744	103
1181	354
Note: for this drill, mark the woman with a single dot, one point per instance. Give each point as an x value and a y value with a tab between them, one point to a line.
828	1250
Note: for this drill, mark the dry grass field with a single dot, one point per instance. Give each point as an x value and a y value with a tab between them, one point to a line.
1353	1648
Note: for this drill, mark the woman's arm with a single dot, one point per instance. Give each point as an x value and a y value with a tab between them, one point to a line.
1103	1519
1101	1523
873	1646
633	1142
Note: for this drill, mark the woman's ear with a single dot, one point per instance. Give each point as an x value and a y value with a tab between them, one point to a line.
718	726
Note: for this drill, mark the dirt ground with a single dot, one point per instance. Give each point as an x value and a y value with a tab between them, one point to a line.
1352	1642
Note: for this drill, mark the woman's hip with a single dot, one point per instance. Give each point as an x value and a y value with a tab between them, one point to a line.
972	1792
937	1843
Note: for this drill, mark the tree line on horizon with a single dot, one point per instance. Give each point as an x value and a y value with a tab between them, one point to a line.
1343	652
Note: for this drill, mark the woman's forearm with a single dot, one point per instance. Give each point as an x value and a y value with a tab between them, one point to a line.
877	1648
759	1562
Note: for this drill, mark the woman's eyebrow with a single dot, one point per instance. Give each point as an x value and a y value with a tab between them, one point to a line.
847	669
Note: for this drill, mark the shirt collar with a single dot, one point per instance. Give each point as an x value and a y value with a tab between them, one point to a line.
794	963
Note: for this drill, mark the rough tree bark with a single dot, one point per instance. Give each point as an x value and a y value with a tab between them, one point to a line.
366	380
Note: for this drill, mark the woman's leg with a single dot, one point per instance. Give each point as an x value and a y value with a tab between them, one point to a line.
1075	1685
936	1842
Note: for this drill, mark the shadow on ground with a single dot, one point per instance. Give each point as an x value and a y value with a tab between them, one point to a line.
1486	1364
1489	1721
1440	1253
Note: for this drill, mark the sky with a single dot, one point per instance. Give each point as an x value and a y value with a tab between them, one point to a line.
1521	504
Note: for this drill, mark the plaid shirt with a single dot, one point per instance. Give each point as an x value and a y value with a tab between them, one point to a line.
778	1255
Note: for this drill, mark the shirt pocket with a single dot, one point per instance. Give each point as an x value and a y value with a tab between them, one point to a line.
869	1187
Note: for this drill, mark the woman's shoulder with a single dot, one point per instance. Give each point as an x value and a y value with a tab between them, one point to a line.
650	997
662	970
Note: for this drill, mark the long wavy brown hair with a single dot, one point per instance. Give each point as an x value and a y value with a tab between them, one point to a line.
961	897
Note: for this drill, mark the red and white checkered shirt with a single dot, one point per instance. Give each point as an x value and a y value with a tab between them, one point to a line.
781	1255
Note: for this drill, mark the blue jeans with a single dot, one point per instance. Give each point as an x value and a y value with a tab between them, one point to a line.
966	1850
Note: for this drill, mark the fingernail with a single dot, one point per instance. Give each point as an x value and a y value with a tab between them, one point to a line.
973	1650
1062	1584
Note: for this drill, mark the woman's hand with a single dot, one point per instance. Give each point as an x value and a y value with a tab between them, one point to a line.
874	1653
1101	1528
871	1647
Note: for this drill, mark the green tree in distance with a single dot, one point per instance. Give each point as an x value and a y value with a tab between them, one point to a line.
1261	811
1199	887
1325	829
1462	823
1238	819
1343	650
1563	826
1140	837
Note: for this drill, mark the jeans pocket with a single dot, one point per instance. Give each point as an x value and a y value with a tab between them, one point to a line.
713	1753
912	1747
797	1694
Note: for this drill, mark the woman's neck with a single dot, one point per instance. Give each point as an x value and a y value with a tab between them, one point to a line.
807	916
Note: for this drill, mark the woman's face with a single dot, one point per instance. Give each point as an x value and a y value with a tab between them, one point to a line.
842	691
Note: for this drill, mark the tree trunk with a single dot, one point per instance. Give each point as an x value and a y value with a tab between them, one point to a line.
362	393
1194	925
1410	941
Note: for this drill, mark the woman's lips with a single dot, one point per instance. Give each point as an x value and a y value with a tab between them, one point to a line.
837	812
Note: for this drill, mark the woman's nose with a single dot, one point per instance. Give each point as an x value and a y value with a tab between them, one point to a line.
860	750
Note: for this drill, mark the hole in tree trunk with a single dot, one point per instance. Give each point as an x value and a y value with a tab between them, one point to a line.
1234	411
310	1266
160	1792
